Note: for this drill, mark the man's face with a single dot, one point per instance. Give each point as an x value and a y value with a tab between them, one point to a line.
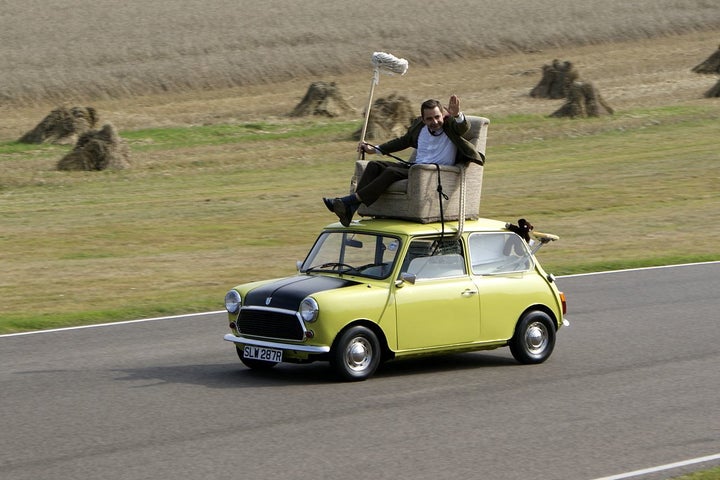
433	118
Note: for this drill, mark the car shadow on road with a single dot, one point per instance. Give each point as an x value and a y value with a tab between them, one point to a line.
235	375
223	375
444	363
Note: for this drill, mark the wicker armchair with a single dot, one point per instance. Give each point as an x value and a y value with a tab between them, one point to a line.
416	199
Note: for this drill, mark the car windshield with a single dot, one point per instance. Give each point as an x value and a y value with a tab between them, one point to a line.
361	254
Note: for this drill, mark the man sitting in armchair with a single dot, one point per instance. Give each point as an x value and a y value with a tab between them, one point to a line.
438	139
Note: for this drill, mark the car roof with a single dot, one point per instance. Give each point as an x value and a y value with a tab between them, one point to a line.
403	227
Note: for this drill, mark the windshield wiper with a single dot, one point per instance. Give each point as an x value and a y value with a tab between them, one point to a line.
331	267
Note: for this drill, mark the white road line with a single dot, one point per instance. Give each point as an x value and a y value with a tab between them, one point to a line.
111	324
638	269
661	468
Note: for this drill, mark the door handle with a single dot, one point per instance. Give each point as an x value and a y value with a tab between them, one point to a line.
469	293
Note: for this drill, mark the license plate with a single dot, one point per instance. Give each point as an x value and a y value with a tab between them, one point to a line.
261	353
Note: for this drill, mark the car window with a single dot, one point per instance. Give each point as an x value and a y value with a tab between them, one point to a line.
431	258
365	255
494	253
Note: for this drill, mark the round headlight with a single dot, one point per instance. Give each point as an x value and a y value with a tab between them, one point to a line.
233	301
309	310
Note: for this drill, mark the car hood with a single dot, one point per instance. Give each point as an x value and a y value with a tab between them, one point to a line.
289	292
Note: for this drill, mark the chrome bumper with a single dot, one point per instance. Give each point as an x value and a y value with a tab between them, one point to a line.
281	346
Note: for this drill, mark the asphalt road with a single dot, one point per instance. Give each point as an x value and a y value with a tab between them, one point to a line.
634	382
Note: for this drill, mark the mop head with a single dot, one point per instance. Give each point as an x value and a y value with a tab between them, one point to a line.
389	64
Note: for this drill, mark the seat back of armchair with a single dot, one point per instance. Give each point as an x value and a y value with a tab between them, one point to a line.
477	135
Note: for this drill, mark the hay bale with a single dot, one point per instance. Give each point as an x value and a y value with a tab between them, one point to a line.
62	126
555	81
322	99
97	150
583	100
709	66
714	91
562	80
389	117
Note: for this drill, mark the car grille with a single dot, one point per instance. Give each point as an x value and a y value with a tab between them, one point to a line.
269	323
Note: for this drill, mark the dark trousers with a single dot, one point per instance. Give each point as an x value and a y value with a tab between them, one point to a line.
377	177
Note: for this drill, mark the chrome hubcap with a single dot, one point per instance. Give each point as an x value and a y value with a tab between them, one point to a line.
358	354
536	337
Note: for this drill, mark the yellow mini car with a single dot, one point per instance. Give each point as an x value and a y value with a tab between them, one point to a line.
386	289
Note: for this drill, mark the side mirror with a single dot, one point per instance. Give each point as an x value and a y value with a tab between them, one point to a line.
298	265
410	278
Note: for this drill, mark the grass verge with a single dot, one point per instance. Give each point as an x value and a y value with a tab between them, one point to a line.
712	474
204	208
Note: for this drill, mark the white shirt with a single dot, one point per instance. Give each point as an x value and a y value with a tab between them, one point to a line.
436	149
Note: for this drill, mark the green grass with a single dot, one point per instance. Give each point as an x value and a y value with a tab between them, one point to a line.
204	208
176	138
712	474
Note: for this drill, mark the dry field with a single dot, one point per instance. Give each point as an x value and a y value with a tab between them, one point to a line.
629	74
80	49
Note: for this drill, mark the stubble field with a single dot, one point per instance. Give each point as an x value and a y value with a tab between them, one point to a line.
84	49
225	187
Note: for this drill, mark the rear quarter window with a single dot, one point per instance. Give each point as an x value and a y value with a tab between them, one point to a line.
497	253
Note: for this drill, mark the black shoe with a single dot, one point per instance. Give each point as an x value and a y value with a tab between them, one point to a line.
328	203
343	212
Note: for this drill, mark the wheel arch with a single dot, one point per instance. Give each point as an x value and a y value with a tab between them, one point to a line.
387	354
543	308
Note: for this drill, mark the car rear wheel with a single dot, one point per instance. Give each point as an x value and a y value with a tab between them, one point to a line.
253	363
534	338
356	354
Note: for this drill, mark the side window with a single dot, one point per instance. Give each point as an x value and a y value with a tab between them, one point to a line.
430	258
493	253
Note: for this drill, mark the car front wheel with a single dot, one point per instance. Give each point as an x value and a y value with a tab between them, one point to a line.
534	338
356	354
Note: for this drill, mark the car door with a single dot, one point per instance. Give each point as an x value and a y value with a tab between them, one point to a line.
438	303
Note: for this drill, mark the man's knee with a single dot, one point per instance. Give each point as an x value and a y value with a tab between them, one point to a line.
374	168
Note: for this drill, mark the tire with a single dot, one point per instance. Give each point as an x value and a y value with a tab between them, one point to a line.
252	363
356	354
534	338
